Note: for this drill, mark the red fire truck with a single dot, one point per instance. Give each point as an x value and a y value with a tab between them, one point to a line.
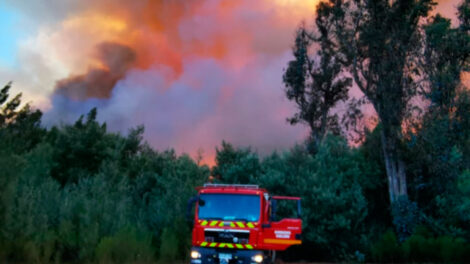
236	224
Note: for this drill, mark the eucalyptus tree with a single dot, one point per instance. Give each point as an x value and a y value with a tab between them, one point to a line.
379	42
315	81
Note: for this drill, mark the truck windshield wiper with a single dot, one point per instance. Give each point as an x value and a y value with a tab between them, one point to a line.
212	218
241	219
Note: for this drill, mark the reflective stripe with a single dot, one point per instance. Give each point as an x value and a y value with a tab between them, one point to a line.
248	246
239	246
238	224
237	230
215	229
213	244
221	245
282	241
203	244
229	245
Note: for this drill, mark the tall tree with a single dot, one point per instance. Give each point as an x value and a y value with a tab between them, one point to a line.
20	128
315	83
446	56
464	15
380	43
439	149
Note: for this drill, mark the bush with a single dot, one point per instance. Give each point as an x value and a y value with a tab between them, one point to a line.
387	248
406	216
169	246
422	246
128	246
333	204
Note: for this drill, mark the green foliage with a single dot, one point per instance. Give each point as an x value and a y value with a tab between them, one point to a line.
446	55
169	246
464	15
80	149
329	182
406	216
380	45
31	209
236	165
129	245
333	203
422	246
463	187
315	83
77	193
387	248
20	128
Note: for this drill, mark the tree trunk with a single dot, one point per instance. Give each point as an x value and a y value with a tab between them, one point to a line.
395	168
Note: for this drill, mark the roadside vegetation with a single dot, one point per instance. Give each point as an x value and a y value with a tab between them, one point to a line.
79	193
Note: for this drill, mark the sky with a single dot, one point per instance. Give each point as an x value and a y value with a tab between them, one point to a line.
193	73
10	35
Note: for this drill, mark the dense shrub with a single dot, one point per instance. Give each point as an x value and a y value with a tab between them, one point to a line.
422	246
83	194
129	245
169	246
333	204
387	248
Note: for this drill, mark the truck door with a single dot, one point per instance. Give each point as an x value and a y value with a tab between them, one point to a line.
282	232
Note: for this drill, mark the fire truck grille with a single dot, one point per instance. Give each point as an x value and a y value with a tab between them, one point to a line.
225	236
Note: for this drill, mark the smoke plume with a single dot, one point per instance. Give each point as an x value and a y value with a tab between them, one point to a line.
193	72
99	82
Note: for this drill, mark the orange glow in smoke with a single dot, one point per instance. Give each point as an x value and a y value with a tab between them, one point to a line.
154	31
168	34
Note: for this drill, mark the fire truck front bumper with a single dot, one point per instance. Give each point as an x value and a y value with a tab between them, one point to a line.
200	255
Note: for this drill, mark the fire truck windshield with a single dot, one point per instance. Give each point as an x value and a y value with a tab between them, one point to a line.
230	207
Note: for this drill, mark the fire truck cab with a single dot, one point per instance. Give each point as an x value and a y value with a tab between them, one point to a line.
235	224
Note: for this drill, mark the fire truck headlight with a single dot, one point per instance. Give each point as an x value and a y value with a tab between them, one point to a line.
257	258
195	254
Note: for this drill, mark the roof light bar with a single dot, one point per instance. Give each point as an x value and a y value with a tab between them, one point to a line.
246	186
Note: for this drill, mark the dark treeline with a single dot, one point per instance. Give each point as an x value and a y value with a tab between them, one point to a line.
79	193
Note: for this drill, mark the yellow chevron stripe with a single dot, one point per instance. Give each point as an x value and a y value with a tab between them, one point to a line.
250	225
230	245
248	246
204	223
213	244
203	244
232	224
213	223
240	224
221	245
239	246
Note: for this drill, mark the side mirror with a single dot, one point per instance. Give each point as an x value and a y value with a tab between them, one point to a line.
201	202
189	208
273	210
299	209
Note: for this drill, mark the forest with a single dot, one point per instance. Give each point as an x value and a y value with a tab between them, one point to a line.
398	191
